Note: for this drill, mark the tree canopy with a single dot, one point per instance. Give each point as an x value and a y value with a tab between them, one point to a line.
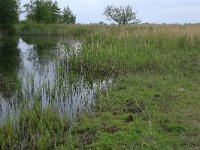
8	12
46	11
67	16
42	11
121	15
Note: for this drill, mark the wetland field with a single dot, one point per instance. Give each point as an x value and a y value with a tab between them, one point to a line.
100	87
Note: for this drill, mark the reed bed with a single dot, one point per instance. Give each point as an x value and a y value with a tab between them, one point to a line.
123	49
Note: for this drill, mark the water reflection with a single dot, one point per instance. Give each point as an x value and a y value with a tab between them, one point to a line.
9	66
38	67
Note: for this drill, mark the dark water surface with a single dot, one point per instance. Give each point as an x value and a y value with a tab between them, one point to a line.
38	68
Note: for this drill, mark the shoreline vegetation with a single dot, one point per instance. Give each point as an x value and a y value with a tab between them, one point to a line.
153	103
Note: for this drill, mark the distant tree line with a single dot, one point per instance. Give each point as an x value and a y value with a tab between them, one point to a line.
46	11
37	11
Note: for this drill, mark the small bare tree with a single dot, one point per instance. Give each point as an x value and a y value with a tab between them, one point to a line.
121	15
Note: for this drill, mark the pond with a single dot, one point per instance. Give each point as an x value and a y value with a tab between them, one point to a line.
38	68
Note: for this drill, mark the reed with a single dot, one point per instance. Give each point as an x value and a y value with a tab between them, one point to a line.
136	49
36	128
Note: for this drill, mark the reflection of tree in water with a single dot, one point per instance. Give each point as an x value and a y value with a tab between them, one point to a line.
43	51
9	66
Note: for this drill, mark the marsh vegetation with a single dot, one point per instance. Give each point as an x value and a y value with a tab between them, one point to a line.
100	87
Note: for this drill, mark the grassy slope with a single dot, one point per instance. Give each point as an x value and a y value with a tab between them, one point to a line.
154	102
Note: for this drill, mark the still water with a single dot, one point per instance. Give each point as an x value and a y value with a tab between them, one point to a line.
38	68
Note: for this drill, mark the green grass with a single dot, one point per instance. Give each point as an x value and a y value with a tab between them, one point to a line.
146	111
153	103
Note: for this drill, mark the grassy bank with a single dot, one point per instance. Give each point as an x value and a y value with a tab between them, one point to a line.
145	111
52	30
153	104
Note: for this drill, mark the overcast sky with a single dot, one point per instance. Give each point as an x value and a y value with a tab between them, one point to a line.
151	11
